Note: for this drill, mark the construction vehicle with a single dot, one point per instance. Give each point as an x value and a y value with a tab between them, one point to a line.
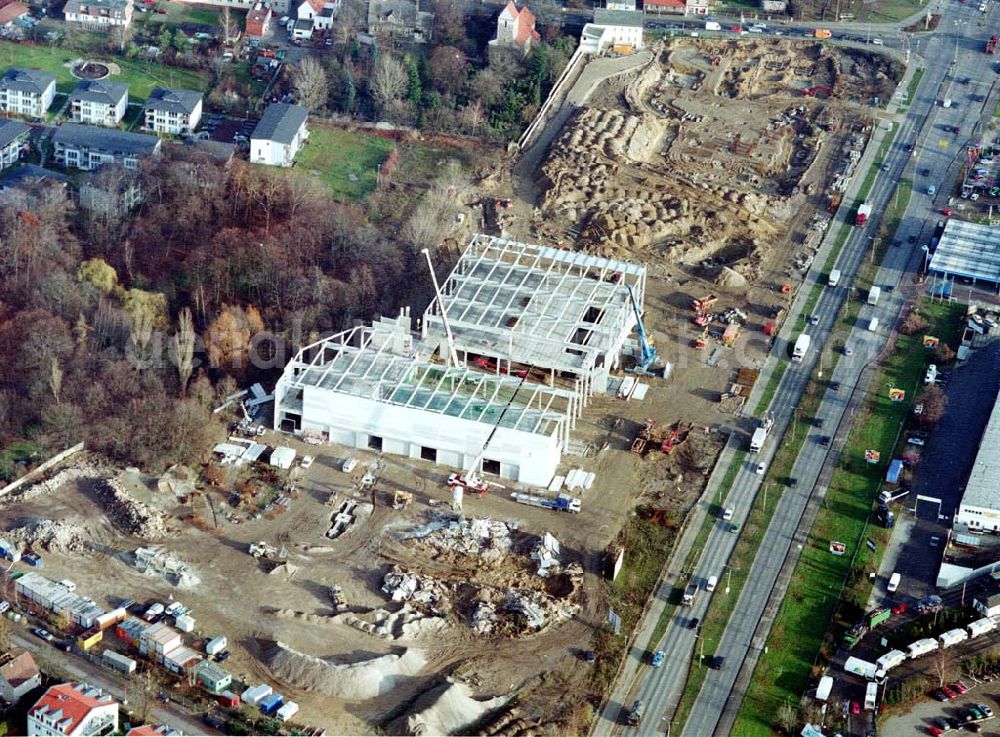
401	499
560	503
337	597
871	620
834	203
701	340
650	438
690	594
991	45
247	426
822	33
704	304
263	550
864	212
647	353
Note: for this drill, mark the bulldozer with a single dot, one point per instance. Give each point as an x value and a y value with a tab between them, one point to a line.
664	440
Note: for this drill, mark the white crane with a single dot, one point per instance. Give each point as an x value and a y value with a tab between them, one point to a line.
452	353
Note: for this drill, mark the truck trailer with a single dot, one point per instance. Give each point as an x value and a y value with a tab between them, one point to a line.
921	647
801	347
890	660
860	667
873	294
952	637
690	594
981	627
560	503
871	696
760	433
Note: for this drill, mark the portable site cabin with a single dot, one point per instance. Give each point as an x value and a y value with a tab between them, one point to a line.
824	688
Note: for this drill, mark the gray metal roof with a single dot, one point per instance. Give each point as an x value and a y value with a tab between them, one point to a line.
627	18
280	122
29	172
108	93
982	489
968	250
173	100
11	130
107	140
74	6
26	80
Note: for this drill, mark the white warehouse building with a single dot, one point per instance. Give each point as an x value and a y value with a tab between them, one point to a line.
979	510
536	332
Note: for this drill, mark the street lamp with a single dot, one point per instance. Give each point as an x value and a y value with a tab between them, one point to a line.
927	252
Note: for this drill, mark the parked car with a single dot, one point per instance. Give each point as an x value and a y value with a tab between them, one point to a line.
306	461
222	657
349	465
43	634
947	690
986	710
940	695
855	708
900	609
693	623
935	730
959	687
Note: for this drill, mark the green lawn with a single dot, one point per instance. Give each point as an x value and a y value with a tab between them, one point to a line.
347	161
179	14
911	88
141	76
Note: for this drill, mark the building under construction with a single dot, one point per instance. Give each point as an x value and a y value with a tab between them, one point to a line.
497	383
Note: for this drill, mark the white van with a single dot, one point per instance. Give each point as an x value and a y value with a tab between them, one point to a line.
894	580
873	325
349	465
931	376
834	278
712	582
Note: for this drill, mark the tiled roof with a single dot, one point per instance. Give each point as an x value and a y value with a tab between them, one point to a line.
152	730
108	93
68	704
280	122
19	669
10	11
173	100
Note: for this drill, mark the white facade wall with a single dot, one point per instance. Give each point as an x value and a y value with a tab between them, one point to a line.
351	421
978	519
11	153
100	113
96	722
272	153
174	124
29	104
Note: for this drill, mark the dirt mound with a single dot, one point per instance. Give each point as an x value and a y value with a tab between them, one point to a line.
127	514
58	537
451	710
729	278
366	679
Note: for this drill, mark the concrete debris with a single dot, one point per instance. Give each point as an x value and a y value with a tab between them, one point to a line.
284	569
59	537
424	590
484	618
546	552
486	538
407	623
177	480
452	711
525	603
127	514
160	562
80	470
366	679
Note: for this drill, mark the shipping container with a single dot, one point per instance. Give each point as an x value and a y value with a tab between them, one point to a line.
118	662
229	700
287	711
922	647
216	645
110	619
890	660
255	694
878	616
184	623
270	704
952	637
88	639
981	627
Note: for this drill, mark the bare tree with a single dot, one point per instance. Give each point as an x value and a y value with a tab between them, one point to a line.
119	37
183	344
935	402
473	116
942	665
311	84
140	332
388	81
230	28
140	692
55	379
786	718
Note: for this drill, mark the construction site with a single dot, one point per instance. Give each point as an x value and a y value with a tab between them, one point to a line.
411	534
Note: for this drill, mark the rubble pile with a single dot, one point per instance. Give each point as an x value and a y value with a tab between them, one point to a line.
519	611
406	623
160	562
80	470
486	538
127	514
57	537
546	552
424	590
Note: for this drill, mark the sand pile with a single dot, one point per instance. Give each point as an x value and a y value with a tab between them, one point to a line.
453	710
352	681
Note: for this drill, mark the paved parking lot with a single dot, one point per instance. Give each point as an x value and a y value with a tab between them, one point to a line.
918	720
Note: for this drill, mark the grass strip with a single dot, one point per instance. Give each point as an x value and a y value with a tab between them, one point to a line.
911	88
772	387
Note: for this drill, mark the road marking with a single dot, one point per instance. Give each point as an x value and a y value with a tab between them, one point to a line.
942	143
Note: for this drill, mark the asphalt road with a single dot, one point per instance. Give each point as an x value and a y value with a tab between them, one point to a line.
935	153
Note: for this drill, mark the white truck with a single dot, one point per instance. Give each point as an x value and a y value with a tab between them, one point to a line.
834	278
560	503
871	696
824	688
890	660
873	294
921	647
690	594
894	580
952	637
801	347
860	667
760	434
712	25
981	627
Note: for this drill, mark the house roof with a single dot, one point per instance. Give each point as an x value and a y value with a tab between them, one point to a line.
525	20
666	3
11	130
316	5
68	704
621	18
108	93
212	671
161	633
28	172
20	668
259	13
11	10
221	151
107	140
152	730
73	6
26	80
280	122
173	100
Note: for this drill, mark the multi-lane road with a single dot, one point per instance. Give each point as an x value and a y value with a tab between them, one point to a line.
951	54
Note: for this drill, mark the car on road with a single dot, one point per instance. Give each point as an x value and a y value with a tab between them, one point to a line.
657	660
761	468
931	189
911	239
824	440
848	351
717	662
916	441
814	319
727	514
735	527
855	708
43	634
925	172
693	623
885	166
908	147
306	461
835	386
792	482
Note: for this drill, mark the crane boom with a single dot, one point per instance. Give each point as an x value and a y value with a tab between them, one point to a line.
452	353
647	353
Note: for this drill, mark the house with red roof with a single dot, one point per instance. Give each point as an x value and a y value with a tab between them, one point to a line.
515	31
681	7
72	709
153	730
10	10
18	675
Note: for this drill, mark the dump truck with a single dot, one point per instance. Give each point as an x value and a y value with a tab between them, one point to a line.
952	637
801	347
690	594
872	619
864	212
560	503
855	635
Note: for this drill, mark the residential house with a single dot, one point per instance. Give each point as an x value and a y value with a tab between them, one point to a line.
27	92
279	135
400	19
19	674
10	11
302	30
309	9
679	7
987	600
173	111
213	677
13	138
99	103
258	20
86	147
158	640
110	192
153	730
324	21
515	32
72	709
99	15
617	30
29	177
